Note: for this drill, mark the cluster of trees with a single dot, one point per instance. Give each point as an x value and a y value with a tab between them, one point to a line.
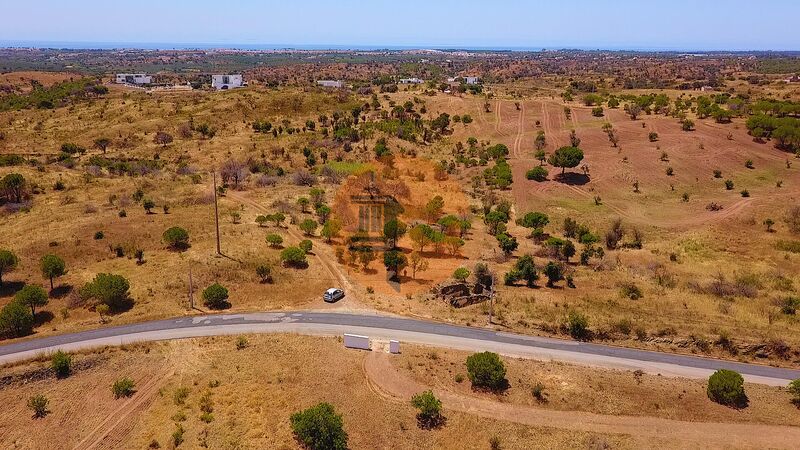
784	130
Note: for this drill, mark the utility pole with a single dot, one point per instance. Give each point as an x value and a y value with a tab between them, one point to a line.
216	211
191	289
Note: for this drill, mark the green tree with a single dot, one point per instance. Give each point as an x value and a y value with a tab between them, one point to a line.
319	428
430	409
216	297
14	186
553	272
433	209
274	240
566	157
461	274
52	267
306	245
331	229
534	220
422	236
8	263
16	320
308	226
108	289
486	370
365	256
726	387
394	261
323	212
494	219
293	257
31	296
393	230
507	243
524	269
148	205
303	202
176	238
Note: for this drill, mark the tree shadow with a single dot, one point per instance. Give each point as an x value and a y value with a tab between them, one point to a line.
42	317
61	291
572	178
9	288
501	388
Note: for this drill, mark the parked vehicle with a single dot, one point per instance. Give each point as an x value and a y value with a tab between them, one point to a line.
332	295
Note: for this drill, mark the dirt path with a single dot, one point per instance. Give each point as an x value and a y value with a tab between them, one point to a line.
113	431
386	381
323	256
517	146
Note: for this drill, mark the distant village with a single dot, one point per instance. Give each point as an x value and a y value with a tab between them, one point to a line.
223	82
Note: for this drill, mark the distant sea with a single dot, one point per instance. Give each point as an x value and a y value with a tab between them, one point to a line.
68	45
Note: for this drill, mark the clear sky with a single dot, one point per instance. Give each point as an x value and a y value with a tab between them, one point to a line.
592	24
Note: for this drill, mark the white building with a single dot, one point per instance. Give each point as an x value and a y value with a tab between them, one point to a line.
134	78
472	80
330	83
411	81
226	81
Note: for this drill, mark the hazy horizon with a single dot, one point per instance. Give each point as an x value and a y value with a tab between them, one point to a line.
680	25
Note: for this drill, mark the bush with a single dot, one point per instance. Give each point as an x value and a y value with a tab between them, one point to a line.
108	289
726	387
578	325
294	257
124	387
216	297
177	435
177	238
306	245
430	410
631	291
61	363
486	370
264	272
794	389
538	173
38	403
319	428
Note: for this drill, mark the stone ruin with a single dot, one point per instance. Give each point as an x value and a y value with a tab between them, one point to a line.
460	294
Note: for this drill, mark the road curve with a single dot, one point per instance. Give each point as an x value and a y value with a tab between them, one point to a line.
404	329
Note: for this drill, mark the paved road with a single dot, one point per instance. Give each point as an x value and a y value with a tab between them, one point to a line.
404	329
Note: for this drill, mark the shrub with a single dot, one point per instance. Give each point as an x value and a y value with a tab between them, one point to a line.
242	343
745	193
148	205
216	297
177	238
538	173
790	305
8	262
578	325
294	257
538	393
38	403
264	272
180	395
728	185
486	370
553	272
430	410
177	435
631	291
61	363
726	387
98	235
306	245
319	428
124	387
